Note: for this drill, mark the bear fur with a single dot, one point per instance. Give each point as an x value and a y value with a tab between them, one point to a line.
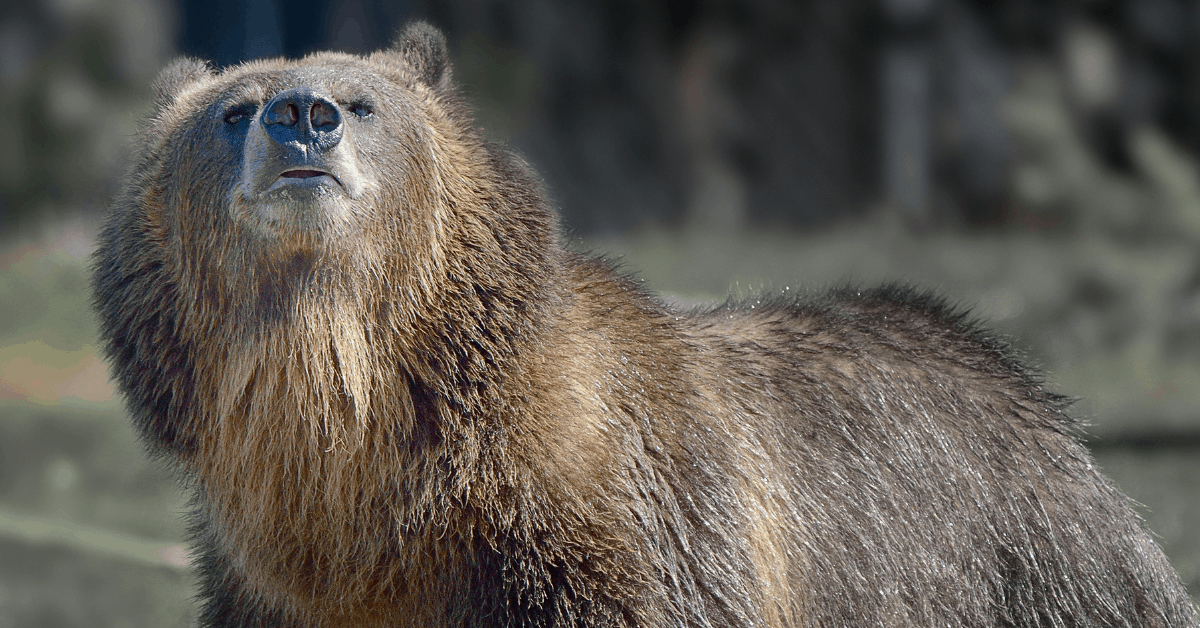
400	401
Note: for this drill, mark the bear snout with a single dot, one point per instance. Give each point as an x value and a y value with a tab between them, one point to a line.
302	116
299	151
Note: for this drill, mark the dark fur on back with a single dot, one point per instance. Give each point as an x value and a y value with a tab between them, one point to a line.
405	404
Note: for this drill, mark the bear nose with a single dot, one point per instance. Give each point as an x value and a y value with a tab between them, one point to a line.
301	115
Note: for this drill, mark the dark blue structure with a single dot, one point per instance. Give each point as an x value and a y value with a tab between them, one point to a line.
231	31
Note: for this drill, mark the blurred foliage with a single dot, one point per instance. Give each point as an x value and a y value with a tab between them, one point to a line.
76	77
500	83
1060	183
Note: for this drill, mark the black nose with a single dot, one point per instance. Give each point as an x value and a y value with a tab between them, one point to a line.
301	115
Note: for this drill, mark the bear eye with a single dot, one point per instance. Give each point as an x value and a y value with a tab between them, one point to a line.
238	113
360	109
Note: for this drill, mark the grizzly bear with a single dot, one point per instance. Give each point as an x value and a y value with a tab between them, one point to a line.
400	401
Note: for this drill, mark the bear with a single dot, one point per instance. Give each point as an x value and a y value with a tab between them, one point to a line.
399	399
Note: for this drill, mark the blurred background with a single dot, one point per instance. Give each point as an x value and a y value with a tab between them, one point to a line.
1035	160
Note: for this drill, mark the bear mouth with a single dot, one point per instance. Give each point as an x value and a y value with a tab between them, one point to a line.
306	178
302	174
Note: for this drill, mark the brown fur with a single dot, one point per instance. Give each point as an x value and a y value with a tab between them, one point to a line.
413	407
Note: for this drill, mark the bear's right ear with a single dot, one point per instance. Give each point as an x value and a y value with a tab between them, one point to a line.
175	77
423	47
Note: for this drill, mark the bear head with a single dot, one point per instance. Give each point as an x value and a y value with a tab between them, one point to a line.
340	208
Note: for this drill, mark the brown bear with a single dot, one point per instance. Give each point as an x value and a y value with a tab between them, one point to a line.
401	402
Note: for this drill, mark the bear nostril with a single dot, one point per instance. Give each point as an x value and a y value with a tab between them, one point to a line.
324	115
283	113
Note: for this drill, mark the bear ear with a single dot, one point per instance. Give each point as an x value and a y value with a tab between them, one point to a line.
423	47
175	77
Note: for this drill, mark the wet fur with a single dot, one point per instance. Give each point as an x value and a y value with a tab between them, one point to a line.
429	413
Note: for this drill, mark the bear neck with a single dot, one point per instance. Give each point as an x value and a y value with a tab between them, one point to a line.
352	417
344	371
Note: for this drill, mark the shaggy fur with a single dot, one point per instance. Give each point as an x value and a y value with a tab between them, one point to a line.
402	403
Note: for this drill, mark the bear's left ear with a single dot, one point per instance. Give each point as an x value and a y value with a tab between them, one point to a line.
423	47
